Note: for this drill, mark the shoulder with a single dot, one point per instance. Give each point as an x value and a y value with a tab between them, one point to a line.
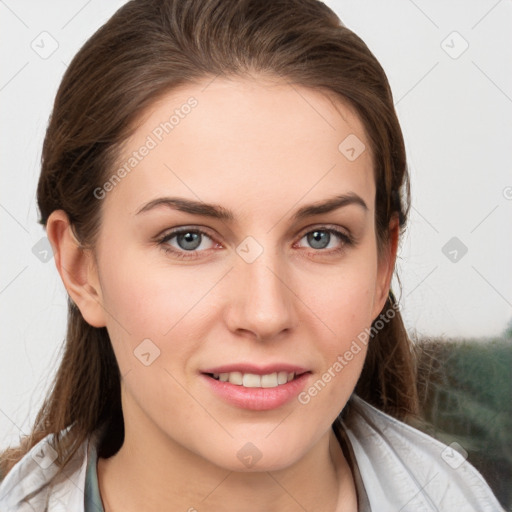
405	469
34	483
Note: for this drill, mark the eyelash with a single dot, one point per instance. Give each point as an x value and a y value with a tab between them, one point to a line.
347	241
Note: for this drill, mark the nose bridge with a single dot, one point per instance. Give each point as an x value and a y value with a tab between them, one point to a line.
263	302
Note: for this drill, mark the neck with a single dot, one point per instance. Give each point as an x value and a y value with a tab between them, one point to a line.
160	474
137	478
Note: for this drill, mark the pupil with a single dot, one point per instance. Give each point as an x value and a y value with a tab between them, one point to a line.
319	239
190	240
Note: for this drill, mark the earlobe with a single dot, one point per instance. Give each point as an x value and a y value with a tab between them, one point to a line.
77	268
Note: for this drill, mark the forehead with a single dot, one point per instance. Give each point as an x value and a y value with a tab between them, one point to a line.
245	140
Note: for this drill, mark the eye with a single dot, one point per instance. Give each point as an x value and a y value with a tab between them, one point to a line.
186	240
327	239
188	243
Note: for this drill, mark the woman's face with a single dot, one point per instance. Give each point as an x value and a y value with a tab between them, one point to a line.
256	283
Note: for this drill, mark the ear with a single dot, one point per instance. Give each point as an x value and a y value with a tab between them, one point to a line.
386	266
77	268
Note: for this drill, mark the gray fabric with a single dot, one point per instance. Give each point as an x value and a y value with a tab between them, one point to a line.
92	496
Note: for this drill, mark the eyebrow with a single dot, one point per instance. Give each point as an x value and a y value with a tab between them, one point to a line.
215	211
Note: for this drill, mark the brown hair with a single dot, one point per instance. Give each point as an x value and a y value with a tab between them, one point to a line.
146	49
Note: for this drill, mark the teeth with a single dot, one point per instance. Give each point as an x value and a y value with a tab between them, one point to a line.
269	381
251	380
234	378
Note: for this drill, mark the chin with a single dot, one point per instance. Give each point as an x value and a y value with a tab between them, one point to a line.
252	457
274	463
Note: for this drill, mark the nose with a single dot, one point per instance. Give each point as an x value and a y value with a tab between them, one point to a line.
263	303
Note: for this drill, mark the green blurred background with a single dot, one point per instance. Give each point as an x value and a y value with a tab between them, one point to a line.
465	388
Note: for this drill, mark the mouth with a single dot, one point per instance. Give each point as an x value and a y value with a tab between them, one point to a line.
253	380
256	388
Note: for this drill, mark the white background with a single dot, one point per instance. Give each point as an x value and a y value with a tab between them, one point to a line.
456	115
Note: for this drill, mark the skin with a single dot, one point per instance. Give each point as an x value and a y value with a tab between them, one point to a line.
261	148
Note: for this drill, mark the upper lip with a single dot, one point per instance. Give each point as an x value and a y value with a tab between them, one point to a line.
257	370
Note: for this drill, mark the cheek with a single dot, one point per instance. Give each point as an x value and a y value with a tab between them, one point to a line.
153	333
150	299
147	307
343	304
346	310
343	299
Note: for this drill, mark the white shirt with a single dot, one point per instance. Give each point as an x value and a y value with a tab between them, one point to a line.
396	468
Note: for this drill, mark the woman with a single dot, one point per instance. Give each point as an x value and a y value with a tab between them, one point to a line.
224	185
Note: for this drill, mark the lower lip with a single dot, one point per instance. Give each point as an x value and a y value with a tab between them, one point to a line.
257	399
